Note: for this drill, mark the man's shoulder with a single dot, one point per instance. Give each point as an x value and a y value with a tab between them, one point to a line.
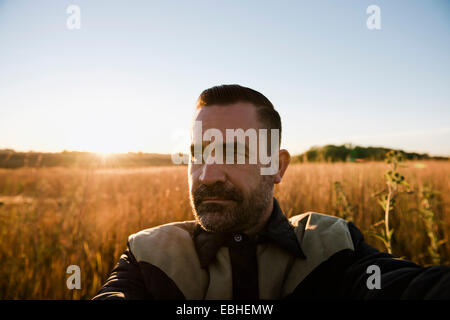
308	218
172	227
313	229
165	236
170	249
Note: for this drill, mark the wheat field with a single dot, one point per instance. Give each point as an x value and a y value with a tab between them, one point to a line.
51	218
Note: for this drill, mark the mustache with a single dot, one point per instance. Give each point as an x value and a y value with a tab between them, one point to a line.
219	190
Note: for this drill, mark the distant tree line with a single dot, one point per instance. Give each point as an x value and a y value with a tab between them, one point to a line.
11	159
349	153
329	153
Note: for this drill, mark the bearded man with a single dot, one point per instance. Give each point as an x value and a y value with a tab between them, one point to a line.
241	245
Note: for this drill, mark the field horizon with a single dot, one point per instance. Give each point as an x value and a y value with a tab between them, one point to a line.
9	158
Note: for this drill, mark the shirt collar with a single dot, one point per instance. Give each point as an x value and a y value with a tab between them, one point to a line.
277	230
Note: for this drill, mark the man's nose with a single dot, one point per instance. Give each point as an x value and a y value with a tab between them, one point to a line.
212	173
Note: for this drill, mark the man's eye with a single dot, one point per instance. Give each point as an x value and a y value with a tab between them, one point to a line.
230	158
241	153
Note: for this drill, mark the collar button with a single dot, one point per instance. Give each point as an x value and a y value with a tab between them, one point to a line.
238	237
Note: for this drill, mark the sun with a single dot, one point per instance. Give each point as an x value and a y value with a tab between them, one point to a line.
102	138
104	155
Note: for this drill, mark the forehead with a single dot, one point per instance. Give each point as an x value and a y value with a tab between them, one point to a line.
238	115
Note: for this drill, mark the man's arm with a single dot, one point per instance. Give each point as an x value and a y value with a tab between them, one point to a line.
345	275
400	279
125	281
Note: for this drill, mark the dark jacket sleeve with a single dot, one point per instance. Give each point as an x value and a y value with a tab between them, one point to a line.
125	281
400	279
345	275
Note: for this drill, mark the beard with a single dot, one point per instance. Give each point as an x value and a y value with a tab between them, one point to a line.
242	212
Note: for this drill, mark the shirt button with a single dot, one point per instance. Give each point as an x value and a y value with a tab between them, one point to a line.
238	237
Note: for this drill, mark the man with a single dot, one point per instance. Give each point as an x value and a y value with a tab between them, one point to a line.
241	246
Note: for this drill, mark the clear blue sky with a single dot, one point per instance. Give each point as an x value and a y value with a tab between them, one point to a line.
128	79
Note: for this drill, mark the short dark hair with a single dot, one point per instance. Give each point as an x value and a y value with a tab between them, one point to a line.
232	93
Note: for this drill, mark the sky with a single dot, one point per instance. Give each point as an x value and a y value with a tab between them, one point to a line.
127	80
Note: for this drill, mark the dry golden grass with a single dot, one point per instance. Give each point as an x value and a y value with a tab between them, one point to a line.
55	217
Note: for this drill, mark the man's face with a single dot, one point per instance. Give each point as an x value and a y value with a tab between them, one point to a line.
229	197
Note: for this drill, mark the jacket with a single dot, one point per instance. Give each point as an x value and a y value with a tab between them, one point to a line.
309	256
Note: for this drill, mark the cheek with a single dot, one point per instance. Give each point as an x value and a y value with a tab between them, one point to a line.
193	174
245	177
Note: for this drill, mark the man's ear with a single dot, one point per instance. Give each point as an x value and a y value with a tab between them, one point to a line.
283	160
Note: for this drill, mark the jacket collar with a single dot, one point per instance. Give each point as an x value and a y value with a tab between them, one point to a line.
277	230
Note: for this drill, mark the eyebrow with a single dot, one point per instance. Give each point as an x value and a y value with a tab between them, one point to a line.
235	145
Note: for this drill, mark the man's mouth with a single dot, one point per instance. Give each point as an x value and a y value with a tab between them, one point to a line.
216	200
